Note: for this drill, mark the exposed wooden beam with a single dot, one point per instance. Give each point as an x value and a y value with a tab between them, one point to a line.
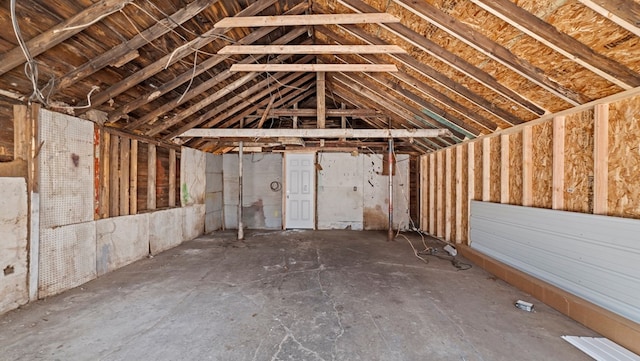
311	49
184	50
601	159
445	56
130	46
210	62
564	44
315	133
151	177
321	99
59	33
310	112
489	48
315	67
558	156
459	64
625	13
266	113
305	20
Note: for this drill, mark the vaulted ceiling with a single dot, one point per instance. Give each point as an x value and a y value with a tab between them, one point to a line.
151	68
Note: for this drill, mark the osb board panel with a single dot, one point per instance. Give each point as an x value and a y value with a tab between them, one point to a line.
494	180
578	162
542	164
478	170
624	158
515	168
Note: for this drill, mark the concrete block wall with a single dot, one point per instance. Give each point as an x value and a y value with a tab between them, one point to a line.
13	243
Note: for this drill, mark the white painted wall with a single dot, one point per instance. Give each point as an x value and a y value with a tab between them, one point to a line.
376	193
13	243
192	176
213	193
340	191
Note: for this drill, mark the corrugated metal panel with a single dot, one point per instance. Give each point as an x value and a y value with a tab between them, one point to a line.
601	349
594	257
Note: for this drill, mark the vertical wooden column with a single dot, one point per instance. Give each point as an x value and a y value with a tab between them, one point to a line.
295	117
21	133
432	193
448	193
486	169
125	155
151	177
172	177
504	168
105	168
527	166
424	193
459	175
471	182
114	177
440	194
322	106
557	192
601	159
133	178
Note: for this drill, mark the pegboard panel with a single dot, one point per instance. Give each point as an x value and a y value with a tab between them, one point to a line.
66	170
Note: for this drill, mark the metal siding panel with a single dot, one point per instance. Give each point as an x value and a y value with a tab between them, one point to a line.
592	256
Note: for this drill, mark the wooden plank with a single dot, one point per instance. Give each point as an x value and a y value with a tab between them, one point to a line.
486	169
562	43
311	49
21	133
321	99
172	178
133	178
601	159
504	168
266	112
315	67
125	159
151	177
625	13
313	112
105	168
114	177
527	166
557	193
130	46
488	47
59	33
295	117
471	182
179	53
432	194
305	20
448	193
459	205
315	133
440	194
423	188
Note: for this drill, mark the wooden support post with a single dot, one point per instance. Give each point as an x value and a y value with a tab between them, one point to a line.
33	187
21	133
390	159
471	182
486	169
440	194
321	98
105	168
151	178
295	117
459	176
557	193
343	119
133	178
504	168
125	155
601	160
448	193
172	177
114	177
432	194
527	166
424	193
240	169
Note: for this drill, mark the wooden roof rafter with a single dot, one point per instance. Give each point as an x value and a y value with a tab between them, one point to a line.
625	13
306	20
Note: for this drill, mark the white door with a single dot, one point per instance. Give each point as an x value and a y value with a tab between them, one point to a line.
300	192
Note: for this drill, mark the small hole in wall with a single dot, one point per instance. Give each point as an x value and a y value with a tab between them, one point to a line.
75	159
8	270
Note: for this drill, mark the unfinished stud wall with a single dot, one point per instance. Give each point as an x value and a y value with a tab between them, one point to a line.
583	160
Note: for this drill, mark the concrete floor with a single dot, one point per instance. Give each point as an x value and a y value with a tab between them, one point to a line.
330	295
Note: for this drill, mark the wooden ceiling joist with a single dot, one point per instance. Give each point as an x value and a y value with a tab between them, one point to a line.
564	44
160	28
314	67
59	33
304	20
625	13
160	64
314	133
210	62
486	46
311	49
329	112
